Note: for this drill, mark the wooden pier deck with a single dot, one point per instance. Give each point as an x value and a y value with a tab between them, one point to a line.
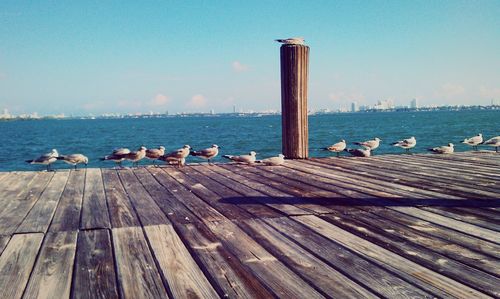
405	226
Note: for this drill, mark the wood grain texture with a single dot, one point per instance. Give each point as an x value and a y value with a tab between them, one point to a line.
95	275
67	215
137	272
121	210
294	121
16	263
184	277
54	267
94	208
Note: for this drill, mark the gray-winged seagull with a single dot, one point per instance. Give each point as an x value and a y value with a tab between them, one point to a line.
359	152
445	149
291	41
248	159
74	159
370	144
155	153
136	156
118	155
407	144
274	161
474	141
45	159
337	147
495	141
177	157
208	153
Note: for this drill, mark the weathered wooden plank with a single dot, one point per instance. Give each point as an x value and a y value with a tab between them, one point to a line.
95	275
277	277
67	215
224	271
16	263
14	186
13	213
306	265
457	271
53	270
94	212
184	277
40	216
148	211
137	273
4	240
379	280
121	211
396	263
251	190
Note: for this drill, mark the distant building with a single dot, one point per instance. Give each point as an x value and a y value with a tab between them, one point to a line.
212	111
414	103
234	108
354	107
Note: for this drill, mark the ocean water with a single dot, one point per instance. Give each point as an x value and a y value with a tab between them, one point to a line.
22	140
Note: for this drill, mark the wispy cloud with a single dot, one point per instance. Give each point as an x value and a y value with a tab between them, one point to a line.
239	67
159	100
197	101
489	93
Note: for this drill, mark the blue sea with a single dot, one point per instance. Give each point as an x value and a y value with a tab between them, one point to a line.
22	140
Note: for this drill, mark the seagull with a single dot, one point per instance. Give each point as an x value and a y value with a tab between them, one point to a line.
118	155
155	153
370	144
291	41
136	156
45	159
474	141
407	144
359	152
274	161
74	159
495	141
248	159
178	156
337	147
208	153
445	149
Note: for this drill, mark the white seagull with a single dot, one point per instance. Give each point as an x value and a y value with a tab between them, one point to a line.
74	159
291	41
445	149
407	144
495	141
45	159
118	155
248	159
177	157
371	144
359	152
208	153
337	147
155	153
474	141
274	161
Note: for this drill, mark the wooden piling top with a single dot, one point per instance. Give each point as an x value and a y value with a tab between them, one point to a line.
391	226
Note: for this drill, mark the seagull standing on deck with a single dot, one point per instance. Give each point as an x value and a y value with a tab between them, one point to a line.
177	157
136	156
474	141
359	152
370	144
291	41
208	153
155	153
45	159
118	155
248	159
445	149
495	141
337	147
407	144
74	159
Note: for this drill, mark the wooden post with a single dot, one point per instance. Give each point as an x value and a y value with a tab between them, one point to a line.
294	75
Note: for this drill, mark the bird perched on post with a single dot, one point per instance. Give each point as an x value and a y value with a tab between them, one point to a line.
45	159
177	157
155	153
136	156
495	142
248	159
474	141
359	152
291	41
74	159
273	161
445	149
337	147
370	144
208	153
118	155
407	144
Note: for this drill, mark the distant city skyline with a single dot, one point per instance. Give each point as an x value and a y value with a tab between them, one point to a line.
125	57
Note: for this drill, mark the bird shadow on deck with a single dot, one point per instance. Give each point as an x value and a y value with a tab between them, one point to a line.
368	202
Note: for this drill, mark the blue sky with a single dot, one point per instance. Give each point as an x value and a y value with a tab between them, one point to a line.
86	57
